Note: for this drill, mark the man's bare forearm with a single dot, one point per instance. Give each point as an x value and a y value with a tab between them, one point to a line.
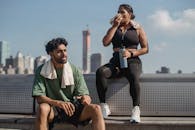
45	99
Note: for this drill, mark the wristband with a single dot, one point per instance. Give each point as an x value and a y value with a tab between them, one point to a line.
131	53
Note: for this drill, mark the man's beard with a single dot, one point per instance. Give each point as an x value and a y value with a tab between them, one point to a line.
60	60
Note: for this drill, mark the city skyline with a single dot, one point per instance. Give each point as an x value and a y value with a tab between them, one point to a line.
25	64
28	25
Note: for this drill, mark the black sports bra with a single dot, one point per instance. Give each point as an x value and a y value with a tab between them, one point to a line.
129	39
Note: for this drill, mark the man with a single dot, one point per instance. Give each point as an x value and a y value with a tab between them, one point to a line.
61	91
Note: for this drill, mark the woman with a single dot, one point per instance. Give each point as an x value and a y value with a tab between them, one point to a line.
124	32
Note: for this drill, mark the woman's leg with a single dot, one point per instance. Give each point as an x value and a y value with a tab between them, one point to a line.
133	76
102	74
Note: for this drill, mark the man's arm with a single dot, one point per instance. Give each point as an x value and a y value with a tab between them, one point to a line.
81	91
80	84
68	107
85	99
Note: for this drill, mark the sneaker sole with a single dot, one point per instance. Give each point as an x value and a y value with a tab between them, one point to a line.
134	122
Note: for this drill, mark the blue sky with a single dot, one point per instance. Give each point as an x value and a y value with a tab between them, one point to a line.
169	24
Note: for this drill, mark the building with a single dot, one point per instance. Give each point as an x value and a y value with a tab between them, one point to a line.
4	52
96	61
9	65
39	61
19	63
2	70
164	69
86	53
10	70
28	65
9	61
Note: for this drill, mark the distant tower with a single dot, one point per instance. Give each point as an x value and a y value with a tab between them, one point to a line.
19	63
4	52
86	55
96	61
28	64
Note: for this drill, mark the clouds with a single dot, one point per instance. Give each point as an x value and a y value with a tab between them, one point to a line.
171	29
164	21
160	47
171	39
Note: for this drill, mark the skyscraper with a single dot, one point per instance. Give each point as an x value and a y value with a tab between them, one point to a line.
86	54
96	61
29	64
4	52
19	63
39	61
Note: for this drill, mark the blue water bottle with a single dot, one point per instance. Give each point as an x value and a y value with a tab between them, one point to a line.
123	60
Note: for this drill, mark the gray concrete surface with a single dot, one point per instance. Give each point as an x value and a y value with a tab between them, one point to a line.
167	103
26	122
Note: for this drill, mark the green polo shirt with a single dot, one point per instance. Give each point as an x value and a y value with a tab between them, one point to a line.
52	87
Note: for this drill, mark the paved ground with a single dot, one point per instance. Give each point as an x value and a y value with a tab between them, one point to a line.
112	123
110	119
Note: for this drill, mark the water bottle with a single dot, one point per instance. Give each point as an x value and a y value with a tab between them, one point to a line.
123	60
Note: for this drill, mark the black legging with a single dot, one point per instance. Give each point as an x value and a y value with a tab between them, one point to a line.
112	70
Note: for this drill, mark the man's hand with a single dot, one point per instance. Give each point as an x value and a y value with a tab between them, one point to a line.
68	107
85	99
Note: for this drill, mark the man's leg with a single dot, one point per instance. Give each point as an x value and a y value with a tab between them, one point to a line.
45	114
93	112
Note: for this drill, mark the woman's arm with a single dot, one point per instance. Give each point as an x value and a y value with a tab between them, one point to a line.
109	35
143	43
111	31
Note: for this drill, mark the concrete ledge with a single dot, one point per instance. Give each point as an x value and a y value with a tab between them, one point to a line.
26	122
16	122
162	95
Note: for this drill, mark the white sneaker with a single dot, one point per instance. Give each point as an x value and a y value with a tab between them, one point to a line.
135	116
105	109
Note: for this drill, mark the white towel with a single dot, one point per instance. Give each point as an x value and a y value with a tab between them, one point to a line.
48	71
135	24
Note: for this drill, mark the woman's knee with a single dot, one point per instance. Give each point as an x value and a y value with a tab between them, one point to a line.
103	72
99	71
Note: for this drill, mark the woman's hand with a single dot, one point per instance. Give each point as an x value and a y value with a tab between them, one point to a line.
117	20
127	53
111	31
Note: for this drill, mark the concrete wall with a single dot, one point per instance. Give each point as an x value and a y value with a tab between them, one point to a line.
161	94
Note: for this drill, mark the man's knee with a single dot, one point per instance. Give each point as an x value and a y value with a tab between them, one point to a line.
45	112
44	109
95	109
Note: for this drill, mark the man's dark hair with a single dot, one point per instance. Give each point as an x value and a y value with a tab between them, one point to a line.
54	43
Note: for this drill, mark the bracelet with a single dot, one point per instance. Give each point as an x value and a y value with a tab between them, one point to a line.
131	53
